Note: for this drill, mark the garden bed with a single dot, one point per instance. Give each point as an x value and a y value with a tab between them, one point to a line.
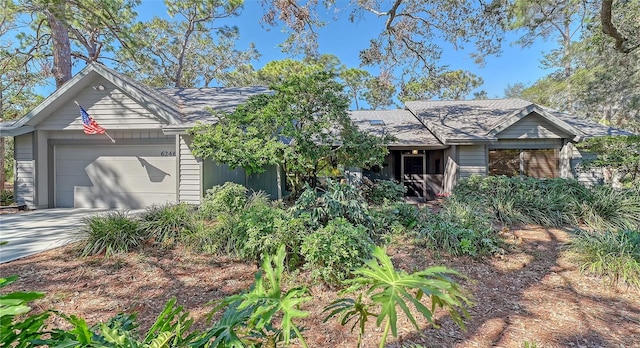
533	294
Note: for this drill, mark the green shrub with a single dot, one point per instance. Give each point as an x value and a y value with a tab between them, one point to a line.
394	219
524	200
333	251
114	232
339	200
6	197
267	228
610	208
458	230
167	224
229	198
382	191
615	255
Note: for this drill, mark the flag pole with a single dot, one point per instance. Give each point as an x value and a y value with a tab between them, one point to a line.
105	132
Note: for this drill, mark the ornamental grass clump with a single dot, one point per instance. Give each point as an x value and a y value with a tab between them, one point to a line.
167	224
458	230
111	233
613	255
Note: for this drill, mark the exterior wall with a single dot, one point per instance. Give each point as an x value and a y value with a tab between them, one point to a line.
472	160
589	177
218	174
189	173
111	108
532	126
24	184
450	178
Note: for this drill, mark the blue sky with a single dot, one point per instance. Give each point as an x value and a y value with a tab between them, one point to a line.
345	39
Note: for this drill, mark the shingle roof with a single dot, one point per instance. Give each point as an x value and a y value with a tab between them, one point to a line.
469	120
197	104
402	124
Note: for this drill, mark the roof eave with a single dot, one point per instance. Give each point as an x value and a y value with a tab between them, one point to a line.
15	131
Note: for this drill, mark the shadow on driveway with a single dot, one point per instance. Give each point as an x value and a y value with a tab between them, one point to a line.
35	231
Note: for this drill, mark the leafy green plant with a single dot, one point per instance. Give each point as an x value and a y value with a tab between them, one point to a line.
265	314
111	233
166	224
384	191
458	230
332	252
615	255
6	197
610	208
17	329
172	328
389	290
339	200
230	198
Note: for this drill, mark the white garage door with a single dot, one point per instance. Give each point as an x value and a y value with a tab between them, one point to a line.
114	176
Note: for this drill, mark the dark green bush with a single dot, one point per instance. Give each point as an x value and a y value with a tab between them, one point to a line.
614	255
381	191
114	232
229	198
268	227
6	197
333	251
339	200
167	224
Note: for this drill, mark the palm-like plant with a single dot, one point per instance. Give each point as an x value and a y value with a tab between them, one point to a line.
261	305
387	289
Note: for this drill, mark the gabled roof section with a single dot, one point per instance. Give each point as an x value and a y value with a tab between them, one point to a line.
401	124
548	114
478	121
464	121
155	102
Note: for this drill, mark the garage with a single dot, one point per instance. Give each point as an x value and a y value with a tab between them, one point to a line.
114	176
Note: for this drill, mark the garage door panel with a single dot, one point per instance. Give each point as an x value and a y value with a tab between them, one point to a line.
125	176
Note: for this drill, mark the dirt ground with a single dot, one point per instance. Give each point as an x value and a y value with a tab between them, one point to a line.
534	294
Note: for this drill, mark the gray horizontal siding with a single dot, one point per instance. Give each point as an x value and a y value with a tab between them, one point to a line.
24	179
110	107
532	126
78	134
472	160
189	168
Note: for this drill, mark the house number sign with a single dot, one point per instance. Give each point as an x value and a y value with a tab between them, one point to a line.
167	154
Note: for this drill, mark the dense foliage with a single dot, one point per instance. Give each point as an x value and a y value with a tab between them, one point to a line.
304	127
614	255
620	154
553	202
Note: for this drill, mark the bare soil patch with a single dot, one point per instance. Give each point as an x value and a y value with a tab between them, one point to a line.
533	294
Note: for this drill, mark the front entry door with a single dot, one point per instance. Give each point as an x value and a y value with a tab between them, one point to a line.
414	169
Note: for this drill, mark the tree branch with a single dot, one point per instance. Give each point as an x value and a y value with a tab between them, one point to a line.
610	29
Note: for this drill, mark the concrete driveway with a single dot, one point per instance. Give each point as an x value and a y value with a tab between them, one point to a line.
35	231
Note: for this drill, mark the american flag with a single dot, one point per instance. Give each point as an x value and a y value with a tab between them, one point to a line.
90	125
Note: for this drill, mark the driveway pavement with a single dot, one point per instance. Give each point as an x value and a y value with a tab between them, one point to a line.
35	231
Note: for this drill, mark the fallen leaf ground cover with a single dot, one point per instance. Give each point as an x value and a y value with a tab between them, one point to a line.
532	294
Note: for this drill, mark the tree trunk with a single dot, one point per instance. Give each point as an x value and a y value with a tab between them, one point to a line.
61	44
